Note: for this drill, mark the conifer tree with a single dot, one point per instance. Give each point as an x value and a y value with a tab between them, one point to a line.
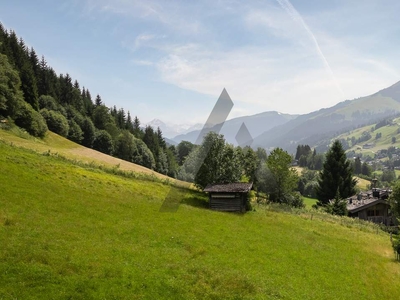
137	131
160	138
98	101
128	123
357	165
336	175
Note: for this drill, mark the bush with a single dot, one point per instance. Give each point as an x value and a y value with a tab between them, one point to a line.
30	120
295	200
47	102
143	156
56	122
75	132
103	142
310	189
88	132
337	206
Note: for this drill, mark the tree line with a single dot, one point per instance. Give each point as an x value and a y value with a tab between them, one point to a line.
35	98
272	175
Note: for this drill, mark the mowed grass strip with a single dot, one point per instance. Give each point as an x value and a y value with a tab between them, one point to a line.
68	232
55	144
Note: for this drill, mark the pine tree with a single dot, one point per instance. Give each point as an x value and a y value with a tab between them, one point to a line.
161	140
336	175
42	78
128	123
98	101
87	102
357	166
137	131
366	170
121	118
151	141
337	206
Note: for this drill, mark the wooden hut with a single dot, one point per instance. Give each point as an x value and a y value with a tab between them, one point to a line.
228	196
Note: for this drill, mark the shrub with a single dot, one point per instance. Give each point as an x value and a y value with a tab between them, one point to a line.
88	132
47	102
56	122
30	120
75	132
103	142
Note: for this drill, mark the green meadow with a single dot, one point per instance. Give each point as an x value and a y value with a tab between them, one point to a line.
75	231
309	202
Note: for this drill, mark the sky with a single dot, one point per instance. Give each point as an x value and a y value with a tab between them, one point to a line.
170	60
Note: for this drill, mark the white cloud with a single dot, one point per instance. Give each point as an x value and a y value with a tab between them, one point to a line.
142	62
290	62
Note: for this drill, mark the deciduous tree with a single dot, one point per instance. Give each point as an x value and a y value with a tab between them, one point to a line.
283	178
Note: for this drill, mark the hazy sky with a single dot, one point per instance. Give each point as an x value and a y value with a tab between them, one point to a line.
171	59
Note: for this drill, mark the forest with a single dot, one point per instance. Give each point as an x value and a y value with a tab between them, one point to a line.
36	98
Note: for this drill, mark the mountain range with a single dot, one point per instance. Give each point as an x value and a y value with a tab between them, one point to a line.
171	130
256	125
317	128
273	129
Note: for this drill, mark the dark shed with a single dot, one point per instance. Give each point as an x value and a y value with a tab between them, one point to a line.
228	196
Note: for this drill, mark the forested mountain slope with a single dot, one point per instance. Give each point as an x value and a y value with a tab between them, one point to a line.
37	99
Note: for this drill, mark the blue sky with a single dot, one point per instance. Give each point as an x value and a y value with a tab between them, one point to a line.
171	59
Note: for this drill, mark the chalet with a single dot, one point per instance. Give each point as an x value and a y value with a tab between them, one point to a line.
228	196
371	206
368	146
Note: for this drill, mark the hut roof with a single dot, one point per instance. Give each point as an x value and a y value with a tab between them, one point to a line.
237	187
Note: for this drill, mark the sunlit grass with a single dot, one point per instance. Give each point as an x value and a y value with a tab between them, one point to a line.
309	202
74	232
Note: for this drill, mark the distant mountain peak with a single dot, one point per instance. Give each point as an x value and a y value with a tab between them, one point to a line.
156	122
171	130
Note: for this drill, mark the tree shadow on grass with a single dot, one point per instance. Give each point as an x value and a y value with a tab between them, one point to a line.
177	196
194	198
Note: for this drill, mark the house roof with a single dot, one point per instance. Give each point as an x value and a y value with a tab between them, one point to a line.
237	187
358	205
367	199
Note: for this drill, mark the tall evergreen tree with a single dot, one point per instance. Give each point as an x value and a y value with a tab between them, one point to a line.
366	170
336	175
137	131
121	118
150	139
98	101
160	138
128	123
357	165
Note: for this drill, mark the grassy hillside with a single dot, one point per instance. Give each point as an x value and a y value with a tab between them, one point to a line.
385	141
74	232
55	144
371	104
